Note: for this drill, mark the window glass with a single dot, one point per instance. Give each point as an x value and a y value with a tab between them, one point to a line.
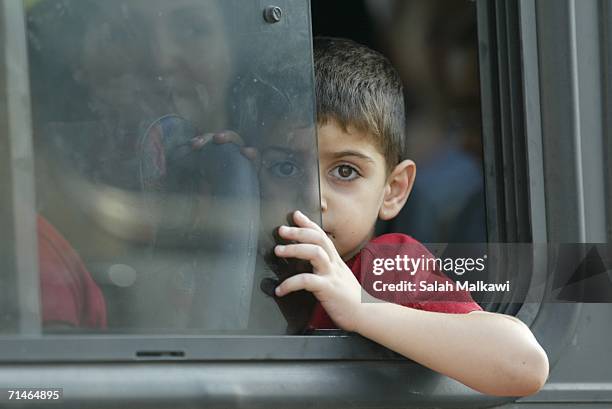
171	138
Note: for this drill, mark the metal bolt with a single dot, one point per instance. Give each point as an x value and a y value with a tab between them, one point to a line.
272	14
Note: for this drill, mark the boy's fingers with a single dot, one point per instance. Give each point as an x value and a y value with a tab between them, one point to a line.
304	281
318	257
220	137
232	137
307	235
227	137
251	154
302	220
199	141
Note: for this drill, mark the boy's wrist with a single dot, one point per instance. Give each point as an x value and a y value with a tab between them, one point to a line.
364	313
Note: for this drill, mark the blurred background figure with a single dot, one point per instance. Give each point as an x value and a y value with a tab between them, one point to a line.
70	298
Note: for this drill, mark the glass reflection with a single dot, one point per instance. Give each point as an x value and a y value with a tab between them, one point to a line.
155	129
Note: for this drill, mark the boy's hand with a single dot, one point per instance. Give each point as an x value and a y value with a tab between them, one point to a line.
227	136
332	283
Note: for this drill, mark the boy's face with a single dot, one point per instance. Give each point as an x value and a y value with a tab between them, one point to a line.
352	174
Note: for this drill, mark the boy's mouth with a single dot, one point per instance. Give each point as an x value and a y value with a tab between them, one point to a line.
330	235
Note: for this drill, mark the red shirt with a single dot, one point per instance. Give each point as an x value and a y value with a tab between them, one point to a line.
388	246
68	293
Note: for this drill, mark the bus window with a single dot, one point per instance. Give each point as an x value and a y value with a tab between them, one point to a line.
141	113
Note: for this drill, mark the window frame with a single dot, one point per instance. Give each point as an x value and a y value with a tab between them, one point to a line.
19	282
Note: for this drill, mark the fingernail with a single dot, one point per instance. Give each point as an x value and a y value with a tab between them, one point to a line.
279	249
277	291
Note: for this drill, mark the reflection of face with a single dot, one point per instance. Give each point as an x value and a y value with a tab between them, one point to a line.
146	59
353	181
193	56
287	180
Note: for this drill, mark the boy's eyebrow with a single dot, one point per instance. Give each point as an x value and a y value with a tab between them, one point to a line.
342	154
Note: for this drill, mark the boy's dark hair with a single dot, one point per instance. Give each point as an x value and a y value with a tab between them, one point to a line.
358	87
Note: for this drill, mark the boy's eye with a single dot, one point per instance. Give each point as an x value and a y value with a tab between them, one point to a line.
285	169
345	172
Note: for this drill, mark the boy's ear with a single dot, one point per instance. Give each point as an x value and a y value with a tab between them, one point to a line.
398	187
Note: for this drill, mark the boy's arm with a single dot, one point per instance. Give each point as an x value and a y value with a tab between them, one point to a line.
492	353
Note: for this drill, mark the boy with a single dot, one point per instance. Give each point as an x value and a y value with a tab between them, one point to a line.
364	176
